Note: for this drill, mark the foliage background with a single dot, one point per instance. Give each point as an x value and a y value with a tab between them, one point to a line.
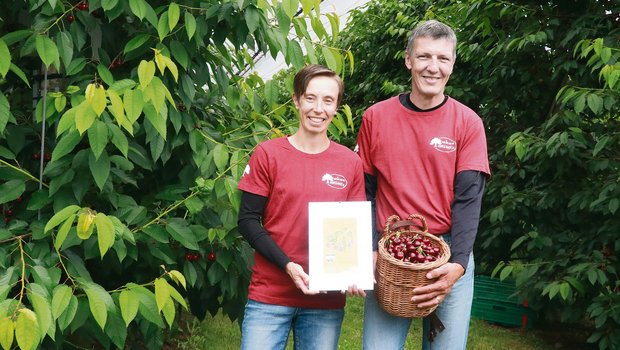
544	77
124	128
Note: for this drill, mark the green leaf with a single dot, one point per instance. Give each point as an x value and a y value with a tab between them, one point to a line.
61	216
506	271
220	156
107	5
42	309
96	98
290	7
330	58
146	72
174	13
595	103
105	233
129	303
105	74
100	168
310	51
190	25
84	117
5	58
294	54
252	18
66	144
15	69
5	112
162	26
162	295
7	330
65	48
47	50
182	234
98	137
60	300
98	298
69	314
119	139
134	103
169	312
194	205
156	119
138	7
64	231
565	290
178	278
136	42
27	331
11	190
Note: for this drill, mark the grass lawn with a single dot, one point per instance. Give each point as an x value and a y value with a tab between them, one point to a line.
220	333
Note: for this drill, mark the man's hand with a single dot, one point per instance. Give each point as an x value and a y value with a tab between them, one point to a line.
299	277
445	277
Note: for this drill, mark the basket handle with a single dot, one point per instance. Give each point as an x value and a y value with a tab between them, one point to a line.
421	226
394	223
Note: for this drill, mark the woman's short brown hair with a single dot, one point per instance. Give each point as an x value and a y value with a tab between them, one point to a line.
303	77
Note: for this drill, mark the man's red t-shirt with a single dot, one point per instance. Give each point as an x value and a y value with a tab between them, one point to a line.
290	179
415	157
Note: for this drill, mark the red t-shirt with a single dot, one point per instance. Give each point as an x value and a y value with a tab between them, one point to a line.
415	157
290	179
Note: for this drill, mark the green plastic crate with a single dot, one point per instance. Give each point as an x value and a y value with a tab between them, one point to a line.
495	301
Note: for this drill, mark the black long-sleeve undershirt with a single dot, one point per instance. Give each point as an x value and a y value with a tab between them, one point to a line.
468	191
251	228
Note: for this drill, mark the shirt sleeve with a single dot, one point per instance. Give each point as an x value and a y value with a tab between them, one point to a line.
468	191
251	228
371	191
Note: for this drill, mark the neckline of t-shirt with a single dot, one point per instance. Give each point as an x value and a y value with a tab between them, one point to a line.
300	152
414	109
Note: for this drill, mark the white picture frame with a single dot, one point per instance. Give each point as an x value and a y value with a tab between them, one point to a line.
340	245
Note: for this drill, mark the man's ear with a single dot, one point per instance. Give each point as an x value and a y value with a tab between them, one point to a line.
407	60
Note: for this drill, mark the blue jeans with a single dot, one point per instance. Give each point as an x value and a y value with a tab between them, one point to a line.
383	331
267	326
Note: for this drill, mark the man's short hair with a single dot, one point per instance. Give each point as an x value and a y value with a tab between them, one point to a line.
431	29
309	72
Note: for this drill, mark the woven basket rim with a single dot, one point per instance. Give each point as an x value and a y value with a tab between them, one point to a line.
445	250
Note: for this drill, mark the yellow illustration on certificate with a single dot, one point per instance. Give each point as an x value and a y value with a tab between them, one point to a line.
340	245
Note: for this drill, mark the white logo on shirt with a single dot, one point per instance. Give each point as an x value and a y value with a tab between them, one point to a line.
357	148
443	144
246	171
336	181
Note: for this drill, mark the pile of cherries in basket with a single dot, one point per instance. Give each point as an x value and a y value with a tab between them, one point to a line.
413	249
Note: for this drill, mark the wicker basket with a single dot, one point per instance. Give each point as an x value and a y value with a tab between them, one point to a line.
396	279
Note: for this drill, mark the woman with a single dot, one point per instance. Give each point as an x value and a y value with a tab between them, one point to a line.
283	175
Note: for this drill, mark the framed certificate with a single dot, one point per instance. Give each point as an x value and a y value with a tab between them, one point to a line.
340	245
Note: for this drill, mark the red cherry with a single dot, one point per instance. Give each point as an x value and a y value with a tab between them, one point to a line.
211	256
36	156
189	257
7	220
19	199
70	18
83	6
8	212
47	157
97	13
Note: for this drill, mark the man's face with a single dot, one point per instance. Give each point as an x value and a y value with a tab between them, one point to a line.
430	62
318	105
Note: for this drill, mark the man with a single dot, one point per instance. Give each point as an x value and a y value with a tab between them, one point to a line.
282	177
425	153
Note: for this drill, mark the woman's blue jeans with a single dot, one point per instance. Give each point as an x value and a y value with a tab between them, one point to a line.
383	331
267	326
